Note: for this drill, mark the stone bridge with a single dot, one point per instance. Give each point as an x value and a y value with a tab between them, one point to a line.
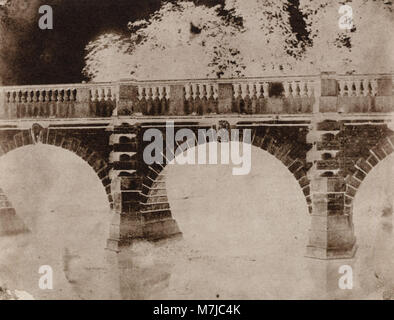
329	130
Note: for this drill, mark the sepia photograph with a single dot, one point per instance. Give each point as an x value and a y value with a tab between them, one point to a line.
196	150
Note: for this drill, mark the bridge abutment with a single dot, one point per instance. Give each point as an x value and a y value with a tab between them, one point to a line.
331	235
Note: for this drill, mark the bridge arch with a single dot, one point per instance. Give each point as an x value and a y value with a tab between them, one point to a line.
197	226
11	140
288	153
54	208
383	149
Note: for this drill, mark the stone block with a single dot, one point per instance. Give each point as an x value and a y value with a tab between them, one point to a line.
385	87
177	100
329	88
225	97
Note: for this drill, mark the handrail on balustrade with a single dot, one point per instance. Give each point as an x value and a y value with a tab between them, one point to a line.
92	85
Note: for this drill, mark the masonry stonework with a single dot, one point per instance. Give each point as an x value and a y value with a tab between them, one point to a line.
328	130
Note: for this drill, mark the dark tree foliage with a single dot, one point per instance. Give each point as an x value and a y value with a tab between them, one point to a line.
29	55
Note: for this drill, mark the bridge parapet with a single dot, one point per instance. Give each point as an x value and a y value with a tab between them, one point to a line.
325	93
356	93
58	101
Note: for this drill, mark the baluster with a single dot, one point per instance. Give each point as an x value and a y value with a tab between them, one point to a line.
243	89
293	89
143	94
195	89
161	93
46	107
211	99
102	95
239	92
259	92
303	90
142	100
156	101
247	99
310	88
150	101
150	94
156	93
216	91
346	89
204	91
35	98
21	110
235	91
204	98
349	85
188	91
52	108
139	97
47	97
238	98
266	90
188	99
254	99
365	83
209	92
111	103
374	86
96	95
357	84
41	96
341	88
108	94
197	100
24	96
192	92
74	95
286	86
162	100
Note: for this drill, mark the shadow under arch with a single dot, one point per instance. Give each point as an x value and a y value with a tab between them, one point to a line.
155	209
11	140
71	213
372	209
363	167
286	153
251	225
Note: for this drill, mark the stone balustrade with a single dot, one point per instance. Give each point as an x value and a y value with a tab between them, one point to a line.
58	101
324	93
356	93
